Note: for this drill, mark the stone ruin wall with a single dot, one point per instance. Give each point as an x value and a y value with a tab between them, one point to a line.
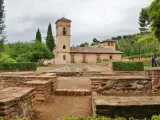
147	84
121	85
18	81
18	104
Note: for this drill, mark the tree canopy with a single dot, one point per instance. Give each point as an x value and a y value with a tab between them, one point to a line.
28	52
154	12
83	44
95	42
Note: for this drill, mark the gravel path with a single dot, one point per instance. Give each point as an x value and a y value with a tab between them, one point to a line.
60	107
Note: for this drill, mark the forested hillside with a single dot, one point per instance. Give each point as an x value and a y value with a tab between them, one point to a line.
147	40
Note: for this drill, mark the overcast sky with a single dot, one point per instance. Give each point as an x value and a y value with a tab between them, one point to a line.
90	18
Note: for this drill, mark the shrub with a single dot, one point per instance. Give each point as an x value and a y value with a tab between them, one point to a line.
18	66
6	58
128	66
155	117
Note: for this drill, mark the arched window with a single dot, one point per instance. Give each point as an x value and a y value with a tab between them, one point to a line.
64	47
64	31
64	57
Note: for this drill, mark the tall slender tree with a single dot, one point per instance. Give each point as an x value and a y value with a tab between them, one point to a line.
38	36
2	26
50	39
144	20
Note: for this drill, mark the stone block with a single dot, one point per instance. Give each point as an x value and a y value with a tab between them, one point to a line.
16	101
43	89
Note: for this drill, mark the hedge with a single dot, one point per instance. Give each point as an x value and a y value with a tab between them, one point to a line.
30	66
128	66
154	117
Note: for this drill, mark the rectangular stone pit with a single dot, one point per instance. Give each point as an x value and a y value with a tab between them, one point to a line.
16	102
136	107
43	89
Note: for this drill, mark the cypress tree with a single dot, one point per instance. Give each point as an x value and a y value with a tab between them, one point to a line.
50	40
38	36
2	26
144	20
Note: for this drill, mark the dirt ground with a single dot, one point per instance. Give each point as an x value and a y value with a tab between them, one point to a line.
59	107
73	83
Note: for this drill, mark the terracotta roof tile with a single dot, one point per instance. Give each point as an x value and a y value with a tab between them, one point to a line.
63	19
108	41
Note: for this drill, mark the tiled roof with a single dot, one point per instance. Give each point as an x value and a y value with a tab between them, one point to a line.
94	50
63	19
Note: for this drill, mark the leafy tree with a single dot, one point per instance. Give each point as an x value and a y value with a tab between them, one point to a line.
50	40
83	44
144	20
95	42
2	26
28	52
6	58
39	52
113	38
116	38
137	44
38	36
154	12
119	37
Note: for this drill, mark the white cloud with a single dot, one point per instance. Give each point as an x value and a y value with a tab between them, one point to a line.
90	18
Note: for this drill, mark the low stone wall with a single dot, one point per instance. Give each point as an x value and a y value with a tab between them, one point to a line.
73	92
18	81
100	73
43	89
16	102
137	107
129	73
121	85
154	75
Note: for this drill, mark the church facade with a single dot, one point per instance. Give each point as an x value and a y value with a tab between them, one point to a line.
65	54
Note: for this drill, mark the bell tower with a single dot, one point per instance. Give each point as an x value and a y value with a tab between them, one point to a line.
63	34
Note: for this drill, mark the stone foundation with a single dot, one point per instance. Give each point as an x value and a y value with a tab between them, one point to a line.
121	85
18	81
16	102
73	92
129	73
43	89
136	107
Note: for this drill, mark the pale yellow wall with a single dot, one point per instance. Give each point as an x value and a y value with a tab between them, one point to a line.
78	58
62	40
114	56
59	59
92	58
112	45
